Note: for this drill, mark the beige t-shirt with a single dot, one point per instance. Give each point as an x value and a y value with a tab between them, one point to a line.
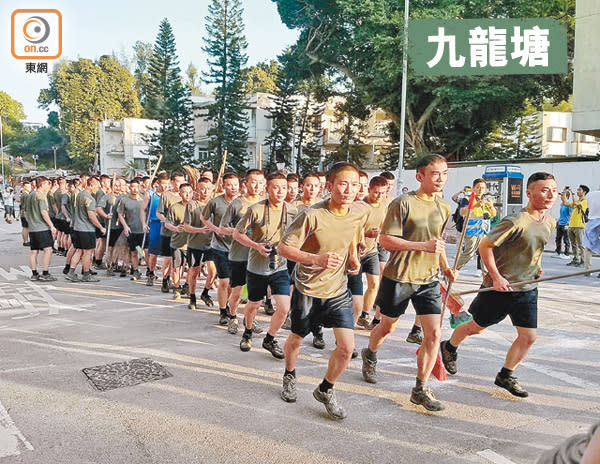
263	224
193	216
166	200
375	217
175	216
214	211
416	220
236	209
317	230
519	241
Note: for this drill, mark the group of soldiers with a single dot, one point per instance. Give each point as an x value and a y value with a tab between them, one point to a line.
306	245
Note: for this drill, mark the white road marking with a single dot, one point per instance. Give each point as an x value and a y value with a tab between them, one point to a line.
494	457
10	436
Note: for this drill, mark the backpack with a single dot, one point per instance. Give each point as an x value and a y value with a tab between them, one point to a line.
458	219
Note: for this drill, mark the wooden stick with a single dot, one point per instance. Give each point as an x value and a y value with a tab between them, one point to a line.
221	171
534	281
259	160
114	179
141	253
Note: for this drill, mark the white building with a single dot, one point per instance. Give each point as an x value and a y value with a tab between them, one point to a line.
559	139
122	144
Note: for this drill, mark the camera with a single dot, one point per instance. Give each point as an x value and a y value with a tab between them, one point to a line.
272	257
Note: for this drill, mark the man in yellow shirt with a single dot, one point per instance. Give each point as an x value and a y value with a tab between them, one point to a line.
577	222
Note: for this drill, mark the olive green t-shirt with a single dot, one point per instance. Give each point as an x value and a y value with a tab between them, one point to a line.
193	217
263	224
58	195
416	220
24	202
98	196
108	203
166	200
519	241
83	203
375	217
175	216
66	201
130	209
317	230
36	203
51	204
236	209
214	211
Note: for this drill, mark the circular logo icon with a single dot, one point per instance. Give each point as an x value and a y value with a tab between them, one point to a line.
36	29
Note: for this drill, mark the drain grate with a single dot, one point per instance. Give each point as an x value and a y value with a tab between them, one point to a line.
125	374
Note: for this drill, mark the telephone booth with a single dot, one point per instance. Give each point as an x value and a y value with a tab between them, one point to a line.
505	184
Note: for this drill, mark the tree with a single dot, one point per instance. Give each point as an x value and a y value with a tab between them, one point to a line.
142	54
168	101
12	113
262	77
87	92
225	45
364	41
193	81
308	135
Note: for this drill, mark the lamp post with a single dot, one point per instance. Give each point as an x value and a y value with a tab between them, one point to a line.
54	148
35	158
403	109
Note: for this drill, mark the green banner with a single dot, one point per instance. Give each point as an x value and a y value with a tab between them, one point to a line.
463	47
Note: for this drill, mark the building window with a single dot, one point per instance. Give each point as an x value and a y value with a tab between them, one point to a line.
557	134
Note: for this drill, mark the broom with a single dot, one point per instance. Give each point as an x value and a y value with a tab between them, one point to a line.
110	211
438	371
140	250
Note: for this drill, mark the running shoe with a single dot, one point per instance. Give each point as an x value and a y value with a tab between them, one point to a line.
233	326
425	398
288	394
415	337
245	343
269	310
47	278
363	322
274	348
511	384
368	368
448	358
329	400
89	277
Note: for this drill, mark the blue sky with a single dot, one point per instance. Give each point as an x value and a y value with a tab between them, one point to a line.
93	29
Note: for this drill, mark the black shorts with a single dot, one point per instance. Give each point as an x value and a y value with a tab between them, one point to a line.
61	225
393	298
238	273
383	254
355	284
134	240
114	236
369	264
40	240
98	233
9	210
24	222
196	257
257	285
308	313
165	245
222	263
492	307
291	265
84	240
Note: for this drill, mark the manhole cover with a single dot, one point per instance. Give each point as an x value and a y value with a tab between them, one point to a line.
125	374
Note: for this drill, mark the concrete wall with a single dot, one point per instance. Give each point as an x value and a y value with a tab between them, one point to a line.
586	78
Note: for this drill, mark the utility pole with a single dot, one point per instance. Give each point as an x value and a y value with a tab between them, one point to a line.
54	148
403	109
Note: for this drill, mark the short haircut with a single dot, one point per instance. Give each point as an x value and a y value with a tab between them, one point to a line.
479	180
539	176
293	177
387	175
362	174
276	175
91	180
204	179
177	174
40	179
202	171
339	167
185	184
257	172
431	158
378	181
310	174
321	174
230	175
134	181
585	188
163	176
144	178
104	176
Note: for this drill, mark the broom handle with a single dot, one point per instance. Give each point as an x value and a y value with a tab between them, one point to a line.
114	179
150	199
221	170
458	247
533	281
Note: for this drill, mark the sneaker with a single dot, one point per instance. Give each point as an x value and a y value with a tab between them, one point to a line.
426	399
192	303
245	344
164	288
177	294
255	327
93	272
415	337
274	348
373	324
354	354
564	257
65	271
150	280
556	255
318	342
572	263
287	324
269	310
224	317
72	276
368	368
329	400
288	394
233	326
363	322
137	275
185	289
34	277
207	300
448	358
110	272
89	278
123	273
26	244
100	267
511	384
47	278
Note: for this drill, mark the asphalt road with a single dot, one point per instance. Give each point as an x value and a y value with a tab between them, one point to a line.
222	406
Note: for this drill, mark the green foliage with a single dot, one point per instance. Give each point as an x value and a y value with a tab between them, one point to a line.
87	92
262	77
41	142
363	40
225	45
193	80
168	101
12	113
142	54
314	93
